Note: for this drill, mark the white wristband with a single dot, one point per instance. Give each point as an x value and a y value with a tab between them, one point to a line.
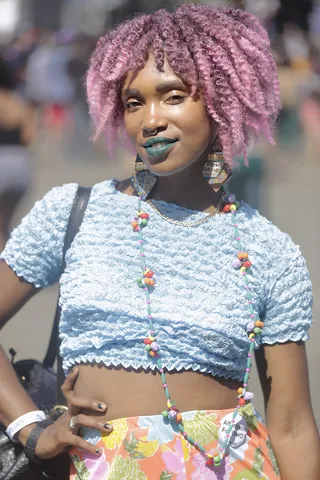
23	421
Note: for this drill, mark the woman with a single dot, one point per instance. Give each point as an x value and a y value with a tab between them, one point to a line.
171	285
16	132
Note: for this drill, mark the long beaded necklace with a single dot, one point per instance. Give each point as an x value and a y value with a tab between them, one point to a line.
254	327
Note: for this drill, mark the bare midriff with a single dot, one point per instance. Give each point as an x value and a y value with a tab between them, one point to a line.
130	393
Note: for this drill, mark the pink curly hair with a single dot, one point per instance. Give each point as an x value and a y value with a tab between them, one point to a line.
222	53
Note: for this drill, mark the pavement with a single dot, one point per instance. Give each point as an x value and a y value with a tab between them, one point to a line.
290	200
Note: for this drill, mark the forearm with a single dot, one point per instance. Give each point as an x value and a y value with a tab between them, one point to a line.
14	401
298	453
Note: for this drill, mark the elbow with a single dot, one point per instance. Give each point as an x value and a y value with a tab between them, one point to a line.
293	426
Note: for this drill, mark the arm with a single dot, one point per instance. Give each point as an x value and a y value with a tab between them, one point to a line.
283	373
14	401
32	259
34	252
28	125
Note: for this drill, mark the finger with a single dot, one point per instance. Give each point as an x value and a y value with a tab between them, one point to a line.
68	384
86	421
87	404
78	442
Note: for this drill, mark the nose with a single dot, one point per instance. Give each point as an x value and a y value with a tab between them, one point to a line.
153	122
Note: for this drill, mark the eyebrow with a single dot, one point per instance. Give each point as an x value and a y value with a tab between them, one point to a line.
170	85
161	88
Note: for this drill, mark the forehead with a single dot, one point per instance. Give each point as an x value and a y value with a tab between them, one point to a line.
149	77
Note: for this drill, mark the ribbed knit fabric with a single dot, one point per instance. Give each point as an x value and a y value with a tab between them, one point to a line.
199	304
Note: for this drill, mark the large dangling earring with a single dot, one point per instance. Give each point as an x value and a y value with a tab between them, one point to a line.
216	170
143	180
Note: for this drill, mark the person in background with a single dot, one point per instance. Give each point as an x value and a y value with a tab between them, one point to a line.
48	81
16	134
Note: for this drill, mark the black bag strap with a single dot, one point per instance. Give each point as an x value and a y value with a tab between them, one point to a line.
77	212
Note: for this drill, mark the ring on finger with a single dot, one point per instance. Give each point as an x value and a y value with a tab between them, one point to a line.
73	424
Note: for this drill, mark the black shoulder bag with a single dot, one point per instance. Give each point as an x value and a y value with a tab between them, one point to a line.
38	379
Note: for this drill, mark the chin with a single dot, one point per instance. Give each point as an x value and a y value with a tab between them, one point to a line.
167	167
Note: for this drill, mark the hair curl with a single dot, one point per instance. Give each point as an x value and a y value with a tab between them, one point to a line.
223	53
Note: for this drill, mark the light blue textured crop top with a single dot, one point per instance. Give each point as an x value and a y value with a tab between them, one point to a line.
199	305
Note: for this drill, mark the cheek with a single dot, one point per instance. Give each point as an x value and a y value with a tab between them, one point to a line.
197	128
132	127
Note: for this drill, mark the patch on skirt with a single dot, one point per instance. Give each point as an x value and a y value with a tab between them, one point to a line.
147	448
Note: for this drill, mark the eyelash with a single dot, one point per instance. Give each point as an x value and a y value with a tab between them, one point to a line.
135	103
132	104
178	97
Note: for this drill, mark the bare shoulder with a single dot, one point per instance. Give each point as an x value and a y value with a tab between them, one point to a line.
14	292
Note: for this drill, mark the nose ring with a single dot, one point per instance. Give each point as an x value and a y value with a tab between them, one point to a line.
151	132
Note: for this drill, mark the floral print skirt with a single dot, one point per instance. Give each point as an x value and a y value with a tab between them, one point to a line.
148	447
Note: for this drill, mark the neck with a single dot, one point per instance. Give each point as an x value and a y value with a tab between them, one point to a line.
188	189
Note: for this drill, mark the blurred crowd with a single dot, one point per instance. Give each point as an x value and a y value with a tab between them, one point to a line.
41	88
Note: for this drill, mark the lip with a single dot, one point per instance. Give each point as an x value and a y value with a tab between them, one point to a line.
151	141
158	152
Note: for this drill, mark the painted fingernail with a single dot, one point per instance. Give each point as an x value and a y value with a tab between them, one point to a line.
107	426
98	452
102	406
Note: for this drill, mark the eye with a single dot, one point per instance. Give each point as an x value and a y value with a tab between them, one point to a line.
175	99
132	104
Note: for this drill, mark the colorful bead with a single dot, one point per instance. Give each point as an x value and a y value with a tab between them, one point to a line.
250	327
241	401
226	208
172	415
240	391
233	208
147	341
237	263
165	413
259	324
179	417
242	255
152	354
248	396
257	331
247	264
148	273
154	346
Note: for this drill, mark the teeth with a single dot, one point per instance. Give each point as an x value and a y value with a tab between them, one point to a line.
160	144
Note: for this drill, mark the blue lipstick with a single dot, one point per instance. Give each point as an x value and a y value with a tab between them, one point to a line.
158	146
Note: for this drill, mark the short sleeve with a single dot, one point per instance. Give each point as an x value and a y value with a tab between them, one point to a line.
34	249
288	310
